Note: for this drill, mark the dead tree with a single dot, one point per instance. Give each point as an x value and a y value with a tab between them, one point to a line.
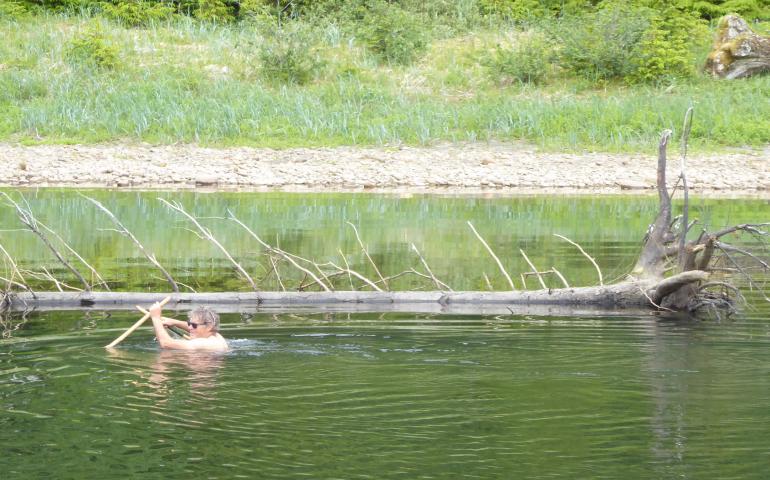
677	270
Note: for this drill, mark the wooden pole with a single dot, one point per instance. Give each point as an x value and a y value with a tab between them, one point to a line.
174	329
135	326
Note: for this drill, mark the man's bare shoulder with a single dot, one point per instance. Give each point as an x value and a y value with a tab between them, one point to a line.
216	342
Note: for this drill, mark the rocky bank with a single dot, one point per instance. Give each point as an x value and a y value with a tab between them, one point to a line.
464	168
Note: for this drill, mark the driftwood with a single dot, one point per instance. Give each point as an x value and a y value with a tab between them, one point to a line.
738	52
672	273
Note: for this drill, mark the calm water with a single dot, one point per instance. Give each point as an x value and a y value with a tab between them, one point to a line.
383	395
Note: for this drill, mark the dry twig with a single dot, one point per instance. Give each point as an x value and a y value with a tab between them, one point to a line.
363	249
589	257
127	233
206	233
489	249
28	219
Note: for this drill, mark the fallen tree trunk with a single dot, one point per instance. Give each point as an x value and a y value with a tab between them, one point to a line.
621	297
738	52
671	274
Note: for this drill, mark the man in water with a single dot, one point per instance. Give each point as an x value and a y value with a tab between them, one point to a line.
203	328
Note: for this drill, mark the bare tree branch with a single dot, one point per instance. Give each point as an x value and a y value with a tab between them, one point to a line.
363	249
28	219
126	232
206	233
497	260
589	257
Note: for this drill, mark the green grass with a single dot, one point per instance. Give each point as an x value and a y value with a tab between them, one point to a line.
195	82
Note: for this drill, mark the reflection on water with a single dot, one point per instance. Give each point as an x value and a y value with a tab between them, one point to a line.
348	396
198	368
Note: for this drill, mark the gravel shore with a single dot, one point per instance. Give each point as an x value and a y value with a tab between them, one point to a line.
457	168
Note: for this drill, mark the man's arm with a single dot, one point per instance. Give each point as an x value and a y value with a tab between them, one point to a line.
164	339
170	322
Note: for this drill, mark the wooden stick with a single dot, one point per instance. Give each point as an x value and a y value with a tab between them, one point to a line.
489	249
534	269
277	251
363	249
206	234
173	329
77	255
561	277
686	207
26	217
425	264
589	257
135	326
124	231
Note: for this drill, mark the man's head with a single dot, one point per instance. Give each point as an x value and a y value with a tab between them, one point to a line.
203	322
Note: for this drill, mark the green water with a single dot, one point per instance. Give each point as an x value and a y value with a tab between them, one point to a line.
366	395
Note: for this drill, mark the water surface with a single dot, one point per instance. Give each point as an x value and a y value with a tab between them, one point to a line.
367	395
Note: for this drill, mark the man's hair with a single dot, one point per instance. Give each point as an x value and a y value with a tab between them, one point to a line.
206	316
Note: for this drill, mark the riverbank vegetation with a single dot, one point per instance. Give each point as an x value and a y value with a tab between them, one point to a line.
608	76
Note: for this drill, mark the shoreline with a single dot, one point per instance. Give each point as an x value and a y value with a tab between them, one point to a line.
451	169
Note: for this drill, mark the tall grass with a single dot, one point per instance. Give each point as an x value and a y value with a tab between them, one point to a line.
188	81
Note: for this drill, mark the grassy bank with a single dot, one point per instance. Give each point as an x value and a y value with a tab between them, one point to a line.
187	81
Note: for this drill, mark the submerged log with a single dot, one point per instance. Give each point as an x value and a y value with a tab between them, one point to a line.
738	52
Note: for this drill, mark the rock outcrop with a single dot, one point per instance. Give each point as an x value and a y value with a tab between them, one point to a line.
738	52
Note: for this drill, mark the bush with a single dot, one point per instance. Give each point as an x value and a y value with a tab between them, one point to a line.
134	13
526	9
287	56
527	62
601	45
12	10
667	47
90	46
391	33
213	11
749	9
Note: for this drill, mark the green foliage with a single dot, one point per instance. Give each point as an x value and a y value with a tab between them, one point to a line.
601	45
749	9
213	11
91	46
390	32
526	9
527	62
134	13
634	43
12	10
253	9
288	56
666	49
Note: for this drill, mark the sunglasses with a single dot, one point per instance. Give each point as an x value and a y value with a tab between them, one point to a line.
194	325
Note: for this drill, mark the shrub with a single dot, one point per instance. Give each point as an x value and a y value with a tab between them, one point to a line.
527	62
601	45
666	49
213	11
134	13
391	33
287	56
90	46
525	9
12	10
750	9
